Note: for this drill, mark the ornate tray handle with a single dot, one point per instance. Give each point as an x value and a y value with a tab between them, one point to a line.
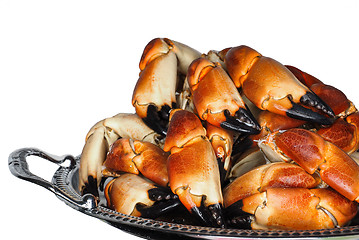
19	168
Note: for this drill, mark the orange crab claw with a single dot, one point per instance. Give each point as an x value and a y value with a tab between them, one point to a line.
271	86
343	133
155	91
269	122
133	195
335	98
313	153
133	156
99	140
273	175
199	189
293	209
216	98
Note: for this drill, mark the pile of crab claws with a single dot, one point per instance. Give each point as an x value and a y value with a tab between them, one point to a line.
242	122
216	89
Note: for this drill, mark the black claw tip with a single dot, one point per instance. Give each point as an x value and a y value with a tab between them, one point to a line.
302	113
242	144
165	201
210	216
160	193
90	187
242	122
236	217
158	120
158	208
312	100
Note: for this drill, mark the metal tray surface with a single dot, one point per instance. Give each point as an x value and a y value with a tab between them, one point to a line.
64	186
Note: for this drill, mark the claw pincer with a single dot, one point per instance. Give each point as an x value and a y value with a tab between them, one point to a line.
271	86
193	169
98	142
344	131
216	98
133	195
155	91
269	197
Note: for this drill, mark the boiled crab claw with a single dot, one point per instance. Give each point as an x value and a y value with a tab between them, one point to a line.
133	195
320	208
344	132
193	169
269	122
271	86
313	153
335	98
98	141
155	91
261	178
217	99
137	157
278	196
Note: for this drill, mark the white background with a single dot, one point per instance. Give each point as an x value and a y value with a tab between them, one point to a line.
64	65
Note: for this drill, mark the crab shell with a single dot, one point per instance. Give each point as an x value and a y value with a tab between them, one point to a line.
299	209
313	153
271	86
134	195
279	196
273	175
193	168
137	157
98	141
155	91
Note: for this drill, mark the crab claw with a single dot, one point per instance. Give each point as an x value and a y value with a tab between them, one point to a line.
343	133
271	86
199	189
313	153
272	175
217	99
98	141
133	195
335	98
292	209
299	112
155	91
137	157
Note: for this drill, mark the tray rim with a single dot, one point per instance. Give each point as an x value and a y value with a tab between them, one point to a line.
65	175
62	186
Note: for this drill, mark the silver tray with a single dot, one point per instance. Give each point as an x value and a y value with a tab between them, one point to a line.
64	185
